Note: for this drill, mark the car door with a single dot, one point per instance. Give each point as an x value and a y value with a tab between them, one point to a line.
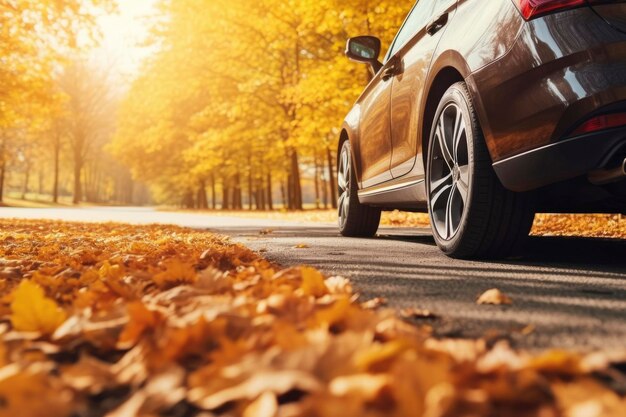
374	145
413	51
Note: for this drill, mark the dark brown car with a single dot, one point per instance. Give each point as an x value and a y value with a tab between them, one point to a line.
484	112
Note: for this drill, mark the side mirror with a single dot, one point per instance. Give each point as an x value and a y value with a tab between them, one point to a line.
365	49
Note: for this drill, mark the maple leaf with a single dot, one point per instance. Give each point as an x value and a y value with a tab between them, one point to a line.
32	311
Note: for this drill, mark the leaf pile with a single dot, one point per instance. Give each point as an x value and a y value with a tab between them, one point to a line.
586	225
115	320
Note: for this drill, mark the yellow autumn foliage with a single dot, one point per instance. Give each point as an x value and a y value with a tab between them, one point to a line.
32	311
161	318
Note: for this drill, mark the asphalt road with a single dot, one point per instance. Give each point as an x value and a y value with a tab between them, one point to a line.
567	292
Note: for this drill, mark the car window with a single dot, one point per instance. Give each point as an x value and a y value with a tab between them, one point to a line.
415	21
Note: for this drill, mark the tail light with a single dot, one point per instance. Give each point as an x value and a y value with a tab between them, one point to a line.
603	122
535	8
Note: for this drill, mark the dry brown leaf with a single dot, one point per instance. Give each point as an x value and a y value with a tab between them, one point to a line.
31	392
374	303
417	313
264	406
494	297
277	382
260	341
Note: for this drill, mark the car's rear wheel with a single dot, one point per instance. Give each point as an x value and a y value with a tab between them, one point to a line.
355	219
472	214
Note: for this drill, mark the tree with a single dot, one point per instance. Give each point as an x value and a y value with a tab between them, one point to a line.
259	99
88	115
39	34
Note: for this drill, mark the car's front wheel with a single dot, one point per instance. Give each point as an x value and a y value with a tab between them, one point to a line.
355	219
472	215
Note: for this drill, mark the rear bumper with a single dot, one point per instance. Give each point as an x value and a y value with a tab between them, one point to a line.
561	161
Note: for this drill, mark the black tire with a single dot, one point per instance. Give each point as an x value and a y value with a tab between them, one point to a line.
355	219
494	222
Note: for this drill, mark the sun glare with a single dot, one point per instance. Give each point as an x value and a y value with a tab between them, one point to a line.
122	36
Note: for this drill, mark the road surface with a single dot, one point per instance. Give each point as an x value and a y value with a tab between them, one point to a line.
567	292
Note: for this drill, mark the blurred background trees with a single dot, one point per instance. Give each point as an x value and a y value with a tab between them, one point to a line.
244	100
238	106
56	107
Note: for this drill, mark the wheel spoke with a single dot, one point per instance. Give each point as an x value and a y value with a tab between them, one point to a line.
461	189
443	145
436	185
449	189
463	182
343	182
434	198
458	136
449	208
341	204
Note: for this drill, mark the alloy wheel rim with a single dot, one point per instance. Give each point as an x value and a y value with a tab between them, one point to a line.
343	180
449	177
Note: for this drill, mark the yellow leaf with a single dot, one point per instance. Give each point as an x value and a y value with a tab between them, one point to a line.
33	311
313	282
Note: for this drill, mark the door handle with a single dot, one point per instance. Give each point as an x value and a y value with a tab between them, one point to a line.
390	71
437	24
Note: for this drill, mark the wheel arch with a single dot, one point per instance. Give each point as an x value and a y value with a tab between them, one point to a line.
445	78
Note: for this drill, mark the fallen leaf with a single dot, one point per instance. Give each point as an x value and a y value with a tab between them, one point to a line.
302	246
494	297
32	311
313	282
374	303
176	272
277	382
417	313
264	406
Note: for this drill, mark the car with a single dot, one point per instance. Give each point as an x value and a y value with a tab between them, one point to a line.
485	112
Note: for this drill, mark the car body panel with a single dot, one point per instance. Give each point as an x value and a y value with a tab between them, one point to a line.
614	14
408	94
560	68
374	149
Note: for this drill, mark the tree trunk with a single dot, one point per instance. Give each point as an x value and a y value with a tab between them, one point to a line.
26	180
317	183
283	194
188	201
40	181
250	187
213	192
2	172
295	182
331	178
203	202
237	198
270	197
55	185
260	196
324	191
78	191
225	195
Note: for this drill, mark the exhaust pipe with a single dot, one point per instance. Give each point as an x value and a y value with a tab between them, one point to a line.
607	176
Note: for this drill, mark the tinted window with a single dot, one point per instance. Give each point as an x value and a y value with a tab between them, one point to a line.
417	19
